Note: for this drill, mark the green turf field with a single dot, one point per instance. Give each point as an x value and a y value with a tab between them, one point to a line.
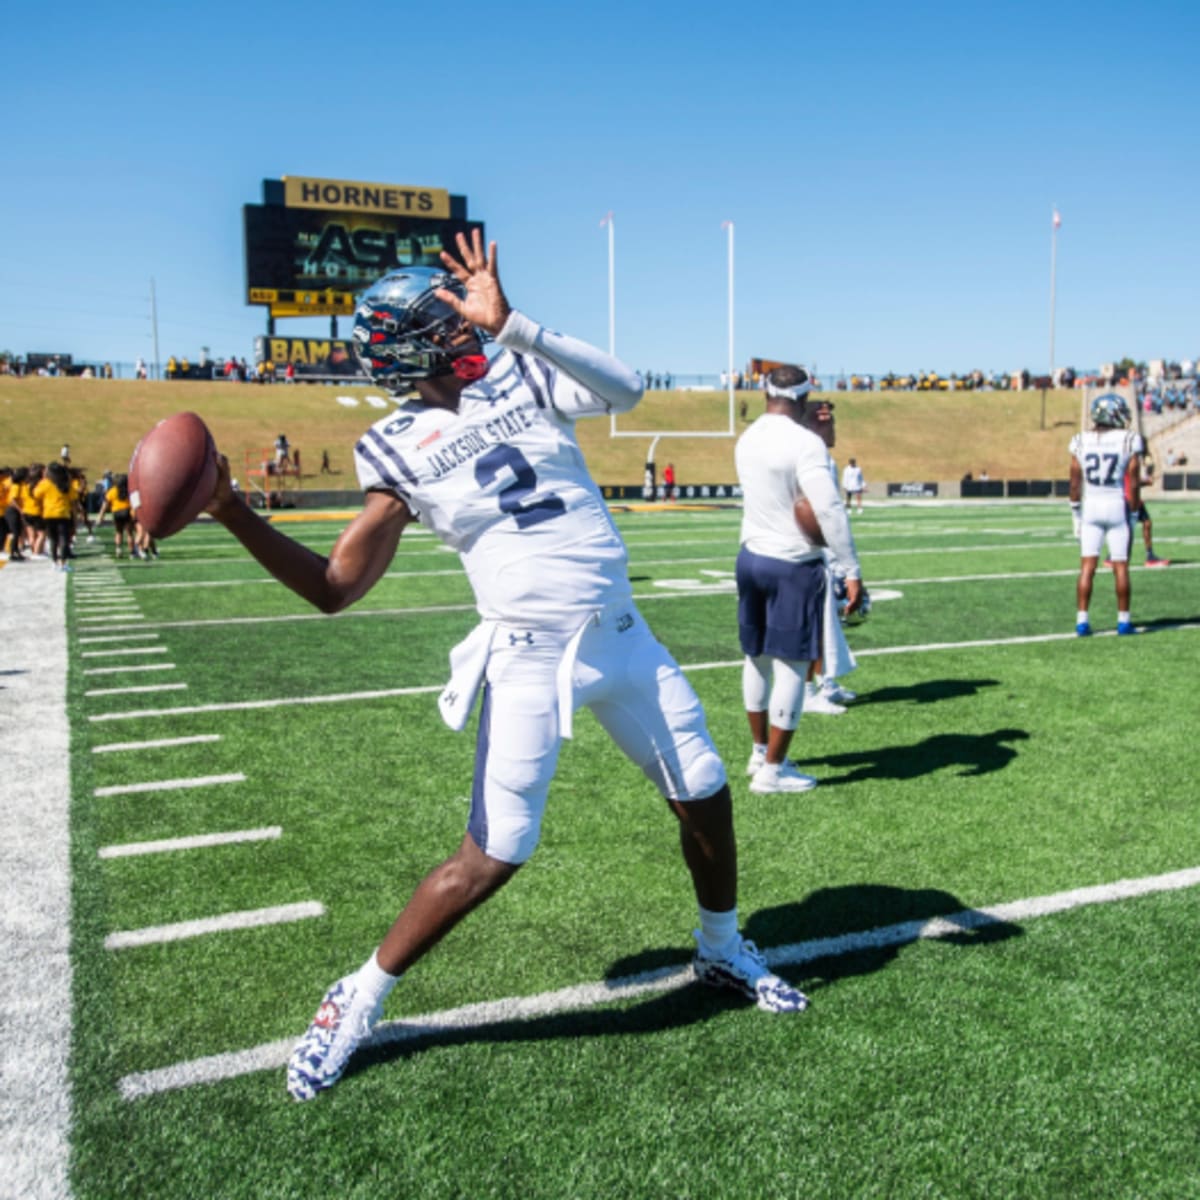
553	1047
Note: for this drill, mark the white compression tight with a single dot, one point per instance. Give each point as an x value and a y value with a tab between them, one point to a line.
778	680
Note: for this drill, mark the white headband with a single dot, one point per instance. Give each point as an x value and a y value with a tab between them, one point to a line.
796	392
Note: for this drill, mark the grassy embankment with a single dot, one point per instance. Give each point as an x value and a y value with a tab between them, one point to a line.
894	435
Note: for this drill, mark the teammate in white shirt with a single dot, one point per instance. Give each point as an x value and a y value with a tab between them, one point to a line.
782	579
1105	486
487	459
853	484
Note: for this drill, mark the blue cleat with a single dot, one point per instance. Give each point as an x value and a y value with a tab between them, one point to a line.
1083	629
746	972
1125	627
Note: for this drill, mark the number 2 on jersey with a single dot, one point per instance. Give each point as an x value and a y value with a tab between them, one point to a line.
513	497
1092	472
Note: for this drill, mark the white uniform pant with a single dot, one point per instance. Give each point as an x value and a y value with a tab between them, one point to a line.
1104	518
634	688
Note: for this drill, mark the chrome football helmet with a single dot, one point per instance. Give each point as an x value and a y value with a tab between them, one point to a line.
1110	411
402	330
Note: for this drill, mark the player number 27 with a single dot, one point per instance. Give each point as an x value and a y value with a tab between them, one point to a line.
1092	470
514	498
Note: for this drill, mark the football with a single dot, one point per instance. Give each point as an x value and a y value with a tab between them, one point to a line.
807	520
172	474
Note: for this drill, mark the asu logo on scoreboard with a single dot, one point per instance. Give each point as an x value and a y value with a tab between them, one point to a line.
313	243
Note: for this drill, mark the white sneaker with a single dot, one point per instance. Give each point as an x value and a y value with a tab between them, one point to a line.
321	1055
817	702
834	691
758	756
780	777
746	971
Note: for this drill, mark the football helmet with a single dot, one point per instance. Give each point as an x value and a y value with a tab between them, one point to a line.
860	614
1110	411
402	330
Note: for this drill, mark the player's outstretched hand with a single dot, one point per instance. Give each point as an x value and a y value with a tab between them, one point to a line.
223	497
485	304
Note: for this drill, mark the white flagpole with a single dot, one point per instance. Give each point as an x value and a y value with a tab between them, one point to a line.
1055	222
728	226
612	286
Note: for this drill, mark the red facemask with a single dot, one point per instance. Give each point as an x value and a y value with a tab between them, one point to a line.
470	367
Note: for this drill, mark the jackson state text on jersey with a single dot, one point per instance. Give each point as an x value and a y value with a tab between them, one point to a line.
503	482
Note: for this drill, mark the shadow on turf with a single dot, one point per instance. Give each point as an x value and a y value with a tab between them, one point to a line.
929	692
885	918
975	753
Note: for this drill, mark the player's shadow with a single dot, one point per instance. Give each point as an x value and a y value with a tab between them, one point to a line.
975	754
832	934
928	692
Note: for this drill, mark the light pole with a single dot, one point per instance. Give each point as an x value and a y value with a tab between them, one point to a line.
728	227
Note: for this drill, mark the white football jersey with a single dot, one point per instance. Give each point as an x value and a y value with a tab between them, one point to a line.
1103	456
503	481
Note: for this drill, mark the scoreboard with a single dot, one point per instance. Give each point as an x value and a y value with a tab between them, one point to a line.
314	244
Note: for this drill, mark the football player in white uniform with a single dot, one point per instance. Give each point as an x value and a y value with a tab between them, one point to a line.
1105	486
486	458
785	606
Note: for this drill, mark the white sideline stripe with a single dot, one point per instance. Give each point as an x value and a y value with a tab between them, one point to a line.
129	667
199	841
127	691
126	650
125	614
272	1055
169	785
35	864
386	693
157	743
253	918
119	637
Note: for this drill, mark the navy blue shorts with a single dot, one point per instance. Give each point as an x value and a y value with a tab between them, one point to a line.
780	607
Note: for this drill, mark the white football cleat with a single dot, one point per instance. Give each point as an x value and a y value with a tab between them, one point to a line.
832	690
780	777
321	1055
746	971
816	701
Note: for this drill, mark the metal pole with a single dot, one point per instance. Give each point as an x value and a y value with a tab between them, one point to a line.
612	285
154	326
728	227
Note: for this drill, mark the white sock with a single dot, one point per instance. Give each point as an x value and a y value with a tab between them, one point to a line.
1081	618
760	748
718	931
373	981
1124	618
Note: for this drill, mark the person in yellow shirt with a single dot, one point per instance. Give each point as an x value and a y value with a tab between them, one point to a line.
116	501
31	510
79	512
54	494
10	514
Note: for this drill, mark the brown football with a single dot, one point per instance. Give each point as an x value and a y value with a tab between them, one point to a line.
807	520
172	474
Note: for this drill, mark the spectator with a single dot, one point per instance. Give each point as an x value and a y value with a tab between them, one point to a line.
669	480
853	483
283	453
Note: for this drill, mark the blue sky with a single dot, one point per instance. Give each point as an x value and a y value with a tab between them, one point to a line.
890	170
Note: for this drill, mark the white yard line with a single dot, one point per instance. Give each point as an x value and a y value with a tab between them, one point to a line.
157	743
273	1055
256	918
125	650
198	842
35	928
169	785
129	667
119	637
128	691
